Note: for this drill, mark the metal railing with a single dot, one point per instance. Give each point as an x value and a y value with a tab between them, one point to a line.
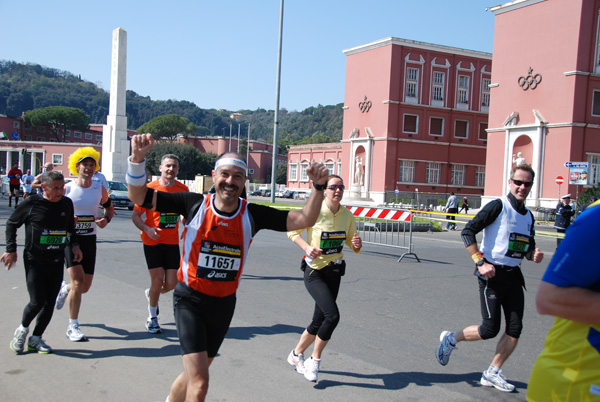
386	232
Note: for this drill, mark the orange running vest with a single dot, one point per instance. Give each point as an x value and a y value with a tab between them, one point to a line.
214	249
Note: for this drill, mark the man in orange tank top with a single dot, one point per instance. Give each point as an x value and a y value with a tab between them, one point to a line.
160	235
218	232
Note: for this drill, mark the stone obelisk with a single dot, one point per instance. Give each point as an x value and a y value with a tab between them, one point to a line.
115	147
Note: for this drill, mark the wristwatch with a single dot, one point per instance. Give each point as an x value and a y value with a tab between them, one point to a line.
480	262
319	187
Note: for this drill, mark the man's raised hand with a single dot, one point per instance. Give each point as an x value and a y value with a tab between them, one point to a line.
140	145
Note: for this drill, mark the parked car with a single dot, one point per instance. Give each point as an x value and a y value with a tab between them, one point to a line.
117	192
255	192
279	193
289	194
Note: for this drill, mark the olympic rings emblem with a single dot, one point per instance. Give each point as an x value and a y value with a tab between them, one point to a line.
530	81
365	105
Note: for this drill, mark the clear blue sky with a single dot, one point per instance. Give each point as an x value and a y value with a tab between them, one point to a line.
223	54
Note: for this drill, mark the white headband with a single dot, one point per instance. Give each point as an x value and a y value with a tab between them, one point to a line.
231	161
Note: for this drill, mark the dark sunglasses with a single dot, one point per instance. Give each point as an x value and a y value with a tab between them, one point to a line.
336	186
519	183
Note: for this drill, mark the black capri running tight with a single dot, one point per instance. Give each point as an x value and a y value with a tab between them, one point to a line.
323	287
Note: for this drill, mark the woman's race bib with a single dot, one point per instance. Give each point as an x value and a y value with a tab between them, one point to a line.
332	242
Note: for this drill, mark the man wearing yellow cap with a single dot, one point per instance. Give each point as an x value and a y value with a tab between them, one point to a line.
86	194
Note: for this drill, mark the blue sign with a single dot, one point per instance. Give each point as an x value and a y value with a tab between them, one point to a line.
576	165
15	135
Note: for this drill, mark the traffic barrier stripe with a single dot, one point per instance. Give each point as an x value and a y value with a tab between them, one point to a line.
378	213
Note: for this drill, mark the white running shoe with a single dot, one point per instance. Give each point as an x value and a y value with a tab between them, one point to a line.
497	381
62	295
152	326
36	343
18	343
443	351
311	369
74	333
296	361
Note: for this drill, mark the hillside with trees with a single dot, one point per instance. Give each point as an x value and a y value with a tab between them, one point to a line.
26	87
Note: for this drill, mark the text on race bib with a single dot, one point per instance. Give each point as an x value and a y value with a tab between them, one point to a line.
218	261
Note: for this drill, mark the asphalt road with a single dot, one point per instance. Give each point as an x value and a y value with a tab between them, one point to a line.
383	349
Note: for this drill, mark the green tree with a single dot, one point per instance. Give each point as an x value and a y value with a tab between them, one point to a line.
584	197
281	170
166	126
191	161
59	119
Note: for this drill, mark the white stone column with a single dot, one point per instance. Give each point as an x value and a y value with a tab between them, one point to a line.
115	147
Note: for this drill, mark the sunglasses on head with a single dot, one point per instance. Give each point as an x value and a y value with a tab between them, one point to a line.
336	186
519	183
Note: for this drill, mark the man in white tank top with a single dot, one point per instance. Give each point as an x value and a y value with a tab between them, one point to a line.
86	195
508	237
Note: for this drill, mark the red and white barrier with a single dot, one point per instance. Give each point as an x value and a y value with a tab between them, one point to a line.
380	213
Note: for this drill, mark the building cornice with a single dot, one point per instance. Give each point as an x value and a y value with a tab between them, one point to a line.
513	5
549	125
576	72
419	45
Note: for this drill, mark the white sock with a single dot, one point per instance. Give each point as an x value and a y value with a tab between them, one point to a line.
152	311
73	321
22	328
493	369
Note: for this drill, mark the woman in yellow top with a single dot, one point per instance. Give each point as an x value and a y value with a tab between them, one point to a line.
323	267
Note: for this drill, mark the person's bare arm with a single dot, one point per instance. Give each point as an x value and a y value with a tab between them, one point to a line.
572	303
307	217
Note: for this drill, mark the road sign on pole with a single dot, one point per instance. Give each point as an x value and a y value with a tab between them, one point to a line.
560	180
576	164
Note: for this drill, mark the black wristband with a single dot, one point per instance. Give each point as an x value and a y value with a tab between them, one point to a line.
107	219
319	187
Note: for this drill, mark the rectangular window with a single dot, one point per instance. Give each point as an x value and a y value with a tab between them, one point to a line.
330	166
339	167
16	124
407	171
293	172
482	132
596	103
77	134
433	172
88	136
411	122
67	133
438	86
28	138
458	175
480	176
53	140
594	169
57	159
41	139
436	126
41	129
463	89
99	137
485	91
412	82
303	175
461	129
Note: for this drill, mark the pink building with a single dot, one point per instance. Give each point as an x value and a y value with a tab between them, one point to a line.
546	95
415	119
301	156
